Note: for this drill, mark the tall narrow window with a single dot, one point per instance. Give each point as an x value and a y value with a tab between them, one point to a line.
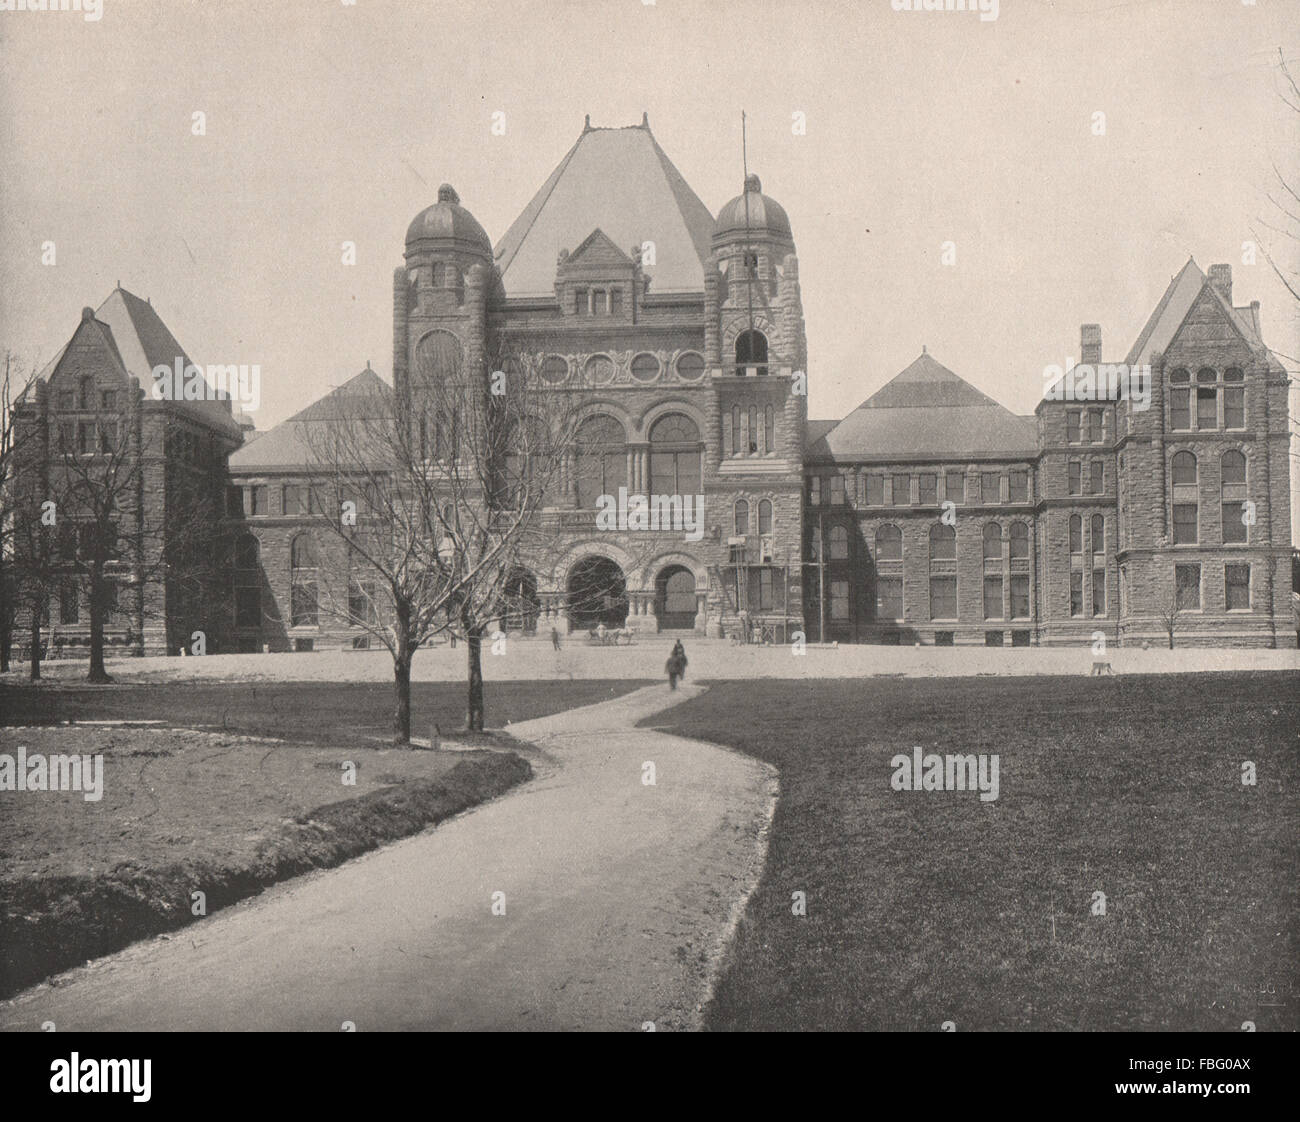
839	544
954	487
765	516
1098	534
751	351
1095	426
1098	470
993	598
889	543
769	429
1019	597
1072	435
1187	587
303	572
990	487
1019	541
902	490
929	489
1236	587
1076	593
1076	478
753	429
875	490
1186	498
1180	416
737	435
837	489
1232	474
1099	592
1076	533
992	542
1018	485
1234	399
742	517
1207	399
943	543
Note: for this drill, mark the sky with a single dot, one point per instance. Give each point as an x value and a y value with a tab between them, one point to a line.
329	121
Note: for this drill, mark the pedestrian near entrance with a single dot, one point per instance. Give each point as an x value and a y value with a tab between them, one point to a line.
555	638
676	664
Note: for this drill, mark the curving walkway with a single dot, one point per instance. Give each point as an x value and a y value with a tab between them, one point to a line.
619	900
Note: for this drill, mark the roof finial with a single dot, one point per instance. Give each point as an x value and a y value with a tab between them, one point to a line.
645	119
586	125
447	194
923	350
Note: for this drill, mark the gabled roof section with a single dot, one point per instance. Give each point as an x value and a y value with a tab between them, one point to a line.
598	250
140	341
289	444
928	412
622	182
1172	310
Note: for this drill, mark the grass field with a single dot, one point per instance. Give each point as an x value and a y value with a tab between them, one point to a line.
925	907
334	713
244	789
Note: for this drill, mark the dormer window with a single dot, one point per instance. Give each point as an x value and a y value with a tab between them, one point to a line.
580	298
599	301
615	301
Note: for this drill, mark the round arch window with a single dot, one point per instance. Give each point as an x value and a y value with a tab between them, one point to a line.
690	366
645	367
555	369
599	370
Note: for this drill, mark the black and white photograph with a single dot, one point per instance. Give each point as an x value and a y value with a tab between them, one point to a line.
650	516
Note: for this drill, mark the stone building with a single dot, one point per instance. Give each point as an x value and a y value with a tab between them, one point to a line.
930	514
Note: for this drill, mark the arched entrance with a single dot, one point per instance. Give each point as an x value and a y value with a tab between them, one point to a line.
597	594
522	605
675	599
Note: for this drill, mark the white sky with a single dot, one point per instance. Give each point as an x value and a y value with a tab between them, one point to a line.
329	122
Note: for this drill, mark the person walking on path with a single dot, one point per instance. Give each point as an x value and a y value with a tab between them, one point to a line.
676	664
555	638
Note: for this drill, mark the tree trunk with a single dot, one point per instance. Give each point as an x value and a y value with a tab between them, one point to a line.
97	597
36	642
6	621
402	716
474	650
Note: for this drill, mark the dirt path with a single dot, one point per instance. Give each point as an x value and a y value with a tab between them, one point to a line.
618	895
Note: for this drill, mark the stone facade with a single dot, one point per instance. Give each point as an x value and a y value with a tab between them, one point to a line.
929	515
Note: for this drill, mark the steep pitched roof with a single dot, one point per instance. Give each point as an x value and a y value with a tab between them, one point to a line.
288	444
927	411
141	341
621	181
1174	305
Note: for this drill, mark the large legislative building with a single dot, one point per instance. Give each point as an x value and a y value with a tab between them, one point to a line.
684	333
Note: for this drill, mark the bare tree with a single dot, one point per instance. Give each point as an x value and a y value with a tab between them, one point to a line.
13	388
429	494
86	529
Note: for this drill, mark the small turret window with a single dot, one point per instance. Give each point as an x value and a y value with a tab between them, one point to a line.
751	350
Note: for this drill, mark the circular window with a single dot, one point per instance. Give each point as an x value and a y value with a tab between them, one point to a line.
599	369
690	366
555	369
645	367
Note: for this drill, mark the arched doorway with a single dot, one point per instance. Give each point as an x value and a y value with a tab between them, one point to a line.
597	594
675	599
522	605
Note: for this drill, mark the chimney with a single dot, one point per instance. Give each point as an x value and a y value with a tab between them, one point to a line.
1221	278
1090	344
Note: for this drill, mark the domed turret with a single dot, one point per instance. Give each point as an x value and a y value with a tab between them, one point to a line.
446	225
767	219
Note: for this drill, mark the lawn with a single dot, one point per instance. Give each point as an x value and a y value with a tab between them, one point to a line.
931	906
243	786
334	713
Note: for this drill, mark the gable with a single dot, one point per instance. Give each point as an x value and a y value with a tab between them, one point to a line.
597	253
1208	335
